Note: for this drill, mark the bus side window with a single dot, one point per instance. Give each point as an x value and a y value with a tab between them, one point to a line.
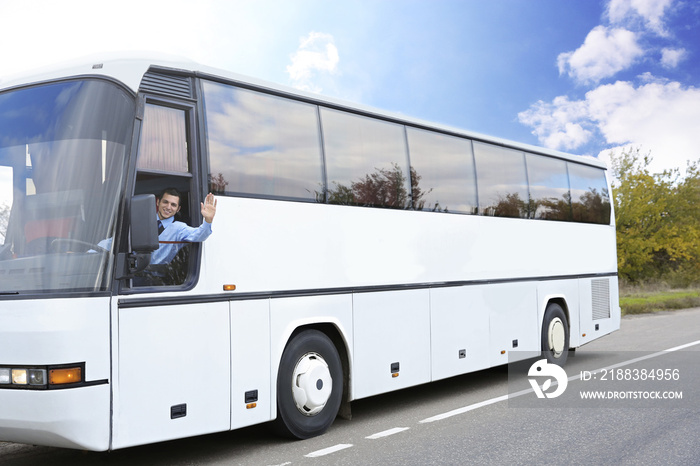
502	181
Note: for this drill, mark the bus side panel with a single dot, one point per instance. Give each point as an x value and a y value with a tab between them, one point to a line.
59	331
318	246
250	362
391	328
459	327
512	309
174	373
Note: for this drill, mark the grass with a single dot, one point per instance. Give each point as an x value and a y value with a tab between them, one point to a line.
641	300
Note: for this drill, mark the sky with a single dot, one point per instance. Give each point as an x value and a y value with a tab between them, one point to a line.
587	77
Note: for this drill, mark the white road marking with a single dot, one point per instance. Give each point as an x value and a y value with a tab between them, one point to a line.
329	450
498	399
463	410
641	358
387	433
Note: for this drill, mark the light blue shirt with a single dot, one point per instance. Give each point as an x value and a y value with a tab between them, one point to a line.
180	233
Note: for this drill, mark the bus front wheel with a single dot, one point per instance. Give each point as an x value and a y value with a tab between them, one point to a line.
555	335
309	386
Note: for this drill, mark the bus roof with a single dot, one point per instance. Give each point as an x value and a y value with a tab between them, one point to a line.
130	70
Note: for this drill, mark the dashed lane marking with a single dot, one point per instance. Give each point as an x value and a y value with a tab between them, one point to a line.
387	433
498	399
329	450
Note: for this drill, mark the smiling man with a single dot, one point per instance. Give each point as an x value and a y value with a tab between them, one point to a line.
173	235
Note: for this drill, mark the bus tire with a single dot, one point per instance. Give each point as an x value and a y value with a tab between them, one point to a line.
309	386
555	335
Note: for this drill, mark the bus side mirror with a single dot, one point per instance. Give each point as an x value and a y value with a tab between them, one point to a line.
143	230
143	225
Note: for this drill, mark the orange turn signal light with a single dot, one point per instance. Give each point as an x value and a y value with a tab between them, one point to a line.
229	287
65	376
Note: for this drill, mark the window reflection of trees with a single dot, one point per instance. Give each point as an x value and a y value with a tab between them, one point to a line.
593	207
217	184
508	205
268	146
502	181
366	161
551	208
446	167
590	198
548	182
381	188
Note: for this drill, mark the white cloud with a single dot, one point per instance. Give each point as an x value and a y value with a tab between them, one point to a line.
560	124
316	54
651	12
604	52
670	58
661	117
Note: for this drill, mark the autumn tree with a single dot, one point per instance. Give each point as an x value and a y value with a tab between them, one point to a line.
658	220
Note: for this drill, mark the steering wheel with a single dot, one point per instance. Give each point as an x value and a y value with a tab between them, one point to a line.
74	245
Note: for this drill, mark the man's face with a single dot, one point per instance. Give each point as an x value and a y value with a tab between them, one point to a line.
168	205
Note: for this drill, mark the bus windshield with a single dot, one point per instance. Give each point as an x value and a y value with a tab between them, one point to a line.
62	161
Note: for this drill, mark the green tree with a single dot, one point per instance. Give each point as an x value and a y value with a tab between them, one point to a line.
686	216
658	220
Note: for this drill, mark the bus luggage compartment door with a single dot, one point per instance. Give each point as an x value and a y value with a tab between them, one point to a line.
173	373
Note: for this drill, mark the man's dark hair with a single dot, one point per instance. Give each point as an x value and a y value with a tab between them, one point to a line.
172	192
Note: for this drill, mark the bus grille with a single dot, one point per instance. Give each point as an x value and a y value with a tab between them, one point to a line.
600	292
174	86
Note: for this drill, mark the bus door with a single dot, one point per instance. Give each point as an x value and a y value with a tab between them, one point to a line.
172	375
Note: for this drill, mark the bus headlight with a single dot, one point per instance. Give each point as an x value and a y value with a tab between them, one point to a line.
19	376
37	376
5	376
46	377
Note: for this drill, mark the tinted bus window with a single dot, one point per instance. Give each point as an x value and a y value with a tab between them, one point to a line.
502	181
442	169
549	188
262	145
590	199
366	161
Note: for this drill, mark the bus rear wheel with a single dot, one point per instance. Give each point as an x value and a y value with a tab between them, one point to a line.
309	386
555	335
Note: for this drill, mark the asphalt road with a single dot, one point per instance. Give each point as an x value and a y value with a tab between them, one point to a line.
470	420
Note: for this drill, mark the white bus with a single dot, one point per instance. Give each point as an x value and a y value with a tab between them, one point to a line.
354	252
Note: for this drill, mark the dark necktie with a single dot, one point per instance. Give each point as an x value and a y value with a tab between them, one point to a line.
160	227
